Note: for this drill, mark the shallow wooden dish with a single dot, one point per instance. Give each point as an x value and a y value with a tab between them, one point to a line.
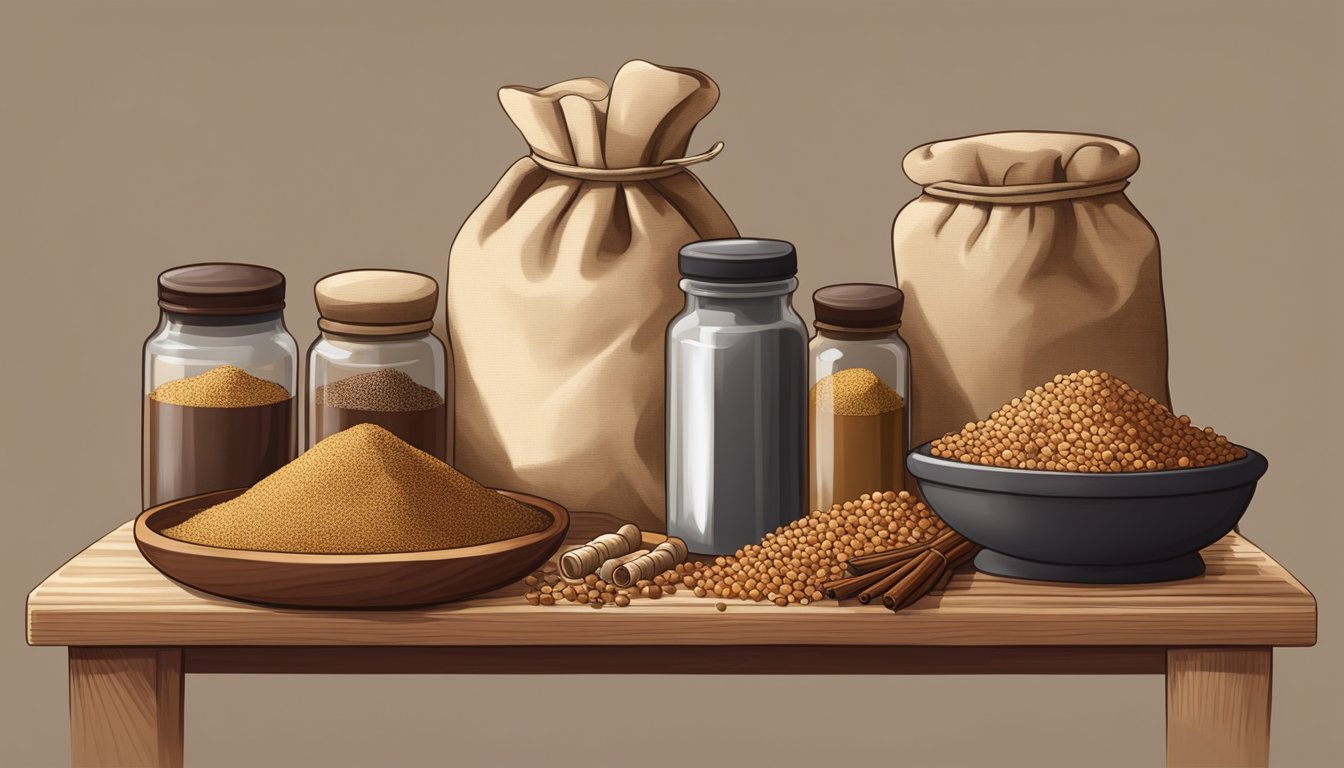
396	580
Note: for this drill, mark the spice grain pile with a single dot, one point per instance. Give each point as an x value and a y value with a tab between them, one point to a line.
789	566
227	386
1088	421
362	491
855	392
386	389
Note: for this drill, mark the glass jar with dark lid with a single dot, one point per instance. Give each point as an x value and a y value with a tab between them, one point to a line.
220	373
736	386
858	405
377	362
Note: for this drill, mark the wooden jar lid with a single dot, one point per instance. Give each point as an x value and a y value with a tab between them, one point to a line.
376	302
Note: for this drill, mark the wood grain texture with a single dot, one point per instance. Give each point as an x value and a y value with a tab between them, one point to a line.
679	660
343	581
1218	702
109	595
126	707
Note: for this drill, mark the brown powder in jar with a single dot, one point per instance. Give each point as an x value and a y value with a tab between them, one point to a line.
362	491
857	429
855	392
227	386
1089	421
386	389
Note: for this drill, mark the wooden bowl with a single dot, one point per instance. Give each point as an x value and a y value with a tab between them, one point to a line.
394	580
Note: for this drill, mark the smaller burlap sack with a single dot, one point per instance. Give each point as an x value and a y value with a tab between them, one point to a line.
562	282
1023	259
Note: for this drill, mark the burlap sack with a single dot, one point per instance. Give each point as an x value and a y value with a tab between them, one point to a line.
1022	259
561	285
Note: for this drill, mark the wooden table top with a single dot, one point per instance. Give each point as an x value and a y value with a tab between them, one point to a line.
109	595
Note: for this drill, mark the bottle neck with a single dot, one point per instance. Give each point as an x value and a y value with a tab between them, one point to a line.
370	338
707	289
856	334
241	324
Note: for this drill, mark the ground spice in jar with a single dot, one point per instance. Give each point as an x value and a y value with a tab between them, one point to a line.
1089	421
227	386
858	436
790	565
221	429
386	389
387	397
362	490
855	392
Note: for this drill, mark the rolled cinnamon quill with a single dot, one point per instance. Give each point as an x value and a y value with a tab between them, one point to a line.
608	569
893	577
867	563
922	579
583	560
663	557
843	589
952	568
925	570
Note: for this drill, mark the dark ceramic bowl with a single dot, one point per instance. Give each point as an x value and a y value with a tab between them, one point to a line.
1122	528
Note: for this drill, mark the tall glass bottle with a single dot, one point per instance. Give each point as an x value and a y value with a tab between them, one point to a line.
736	396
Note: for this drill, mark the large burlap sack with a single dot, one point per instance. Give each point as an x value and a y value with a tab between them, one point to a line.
561	285
1023	259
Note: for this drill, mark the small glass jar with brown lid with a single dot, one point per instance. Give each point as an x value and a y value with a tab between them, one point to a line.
858	404
376	360
220	373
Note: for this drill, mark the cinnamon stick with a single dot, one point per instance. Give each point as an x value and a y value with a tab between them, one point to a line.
951	572
943	581
916	586
893	576
866	563
929	566
843	589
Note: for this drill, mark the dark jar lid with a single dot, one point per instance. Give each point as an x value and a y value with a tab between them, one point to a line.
738	260
858	306
222	289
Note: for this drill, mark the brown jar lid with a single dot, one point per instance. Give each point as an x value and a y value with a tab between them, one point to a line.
376	302
221	289
858	305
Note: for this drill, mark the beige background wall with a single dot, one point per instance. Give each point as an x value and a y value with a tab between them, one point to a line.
320	136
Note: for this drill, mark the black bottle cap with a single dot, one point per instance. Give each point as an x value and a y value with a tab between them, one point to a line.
858	305
738	259
222	289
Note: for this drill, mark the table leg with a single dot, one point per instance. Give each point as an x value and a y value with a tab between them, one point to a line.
1218	707
126	707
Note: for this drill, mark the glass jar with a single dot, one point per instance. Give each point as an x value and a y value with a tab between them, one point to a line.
376	361
220	373
858	406
736	396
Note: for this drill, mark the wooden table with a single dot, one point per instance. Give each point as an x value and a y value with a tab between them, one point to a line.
133	635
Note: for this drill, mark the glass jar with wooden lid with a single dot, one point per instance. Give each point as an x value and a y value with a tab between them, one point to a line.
376	360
